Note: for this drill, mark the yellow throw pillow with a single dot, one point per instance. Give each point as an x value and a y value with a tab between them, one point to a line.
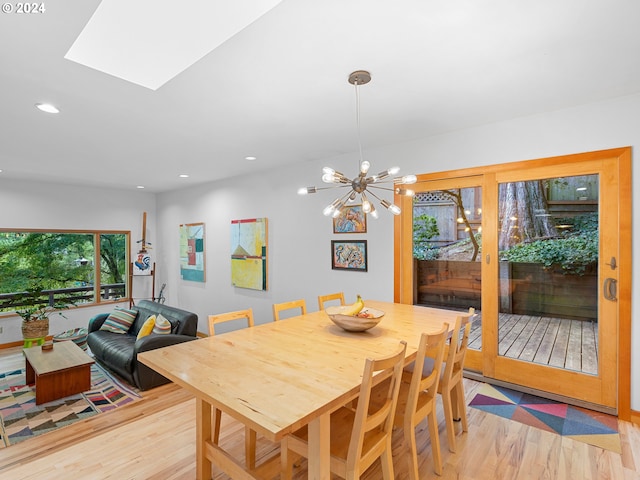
147	327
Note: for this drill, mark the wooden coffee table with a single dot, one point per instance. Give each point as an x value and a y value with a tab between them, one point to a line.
57	373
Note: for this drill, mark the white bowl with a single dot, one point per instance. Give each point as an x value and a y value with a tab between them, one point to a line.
355	323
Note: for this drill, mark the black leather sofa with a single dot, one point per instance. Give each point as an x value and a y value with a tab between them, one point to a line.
118	351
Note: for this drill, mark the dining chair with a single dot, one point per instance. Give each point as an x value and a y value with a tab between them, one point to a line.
249	435
279	307
417	399
322	299
358	437
451	386
229	317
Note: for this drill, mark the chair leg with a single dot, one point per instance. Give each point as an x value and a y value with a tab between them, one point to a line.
462	406
448	420
217	415
250	448
410	439
387	463
432	420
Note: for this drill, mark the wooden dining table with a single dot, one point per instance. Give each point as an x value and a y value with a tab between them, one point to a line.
280	376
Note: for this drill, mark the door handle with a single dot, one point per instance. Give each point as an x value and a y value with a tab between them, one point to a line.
610	289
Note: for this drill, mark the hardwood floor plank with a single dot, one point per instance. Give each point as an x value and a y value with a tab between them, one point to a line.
559	351
511	338
535	339
525	339
543	355
573	360
589	348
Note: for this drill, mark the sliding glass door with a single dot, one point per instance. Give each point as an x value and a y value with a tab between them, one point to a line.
534	247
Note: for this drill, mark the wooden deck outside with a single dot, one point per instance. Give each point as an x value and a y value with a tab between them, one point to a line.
557	342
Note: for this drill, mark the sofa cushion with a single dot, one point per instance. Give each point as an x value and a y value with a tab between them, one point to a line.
162	325
119	321
114	350
147	327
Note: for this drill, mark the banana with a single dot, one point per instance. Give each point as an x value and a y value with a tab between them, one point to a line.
355	308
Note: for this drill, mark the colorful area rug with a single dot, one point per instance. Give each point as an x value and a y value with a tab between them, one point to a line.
580	424
21	418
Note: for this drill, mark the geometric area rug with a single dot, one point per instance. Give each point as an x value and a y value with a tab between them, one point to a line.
21	418
580	424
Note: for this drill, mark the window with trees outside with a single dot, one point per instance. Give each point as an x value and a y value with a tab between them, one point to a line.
62	267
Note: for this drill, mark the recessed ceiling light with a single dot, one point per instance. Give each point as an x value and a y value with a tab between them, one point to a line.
47	107
250	158
183	175
140	186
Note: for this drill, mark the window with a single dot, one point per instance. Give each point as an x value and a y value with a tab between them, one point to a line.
79	267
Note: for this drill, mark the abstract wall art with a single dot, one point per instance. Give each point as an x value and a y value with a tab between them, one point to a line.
351	220
350	255
249	253
192	254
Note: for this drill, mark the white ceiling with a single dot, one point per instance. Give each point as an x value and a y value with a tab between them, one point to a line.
278	89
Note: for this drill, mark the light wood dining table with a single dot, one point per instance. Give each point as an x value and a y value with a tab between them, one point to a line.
280	376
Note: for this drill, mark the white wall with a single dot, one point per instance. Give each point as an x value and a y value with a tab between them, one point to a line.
46	206
299	235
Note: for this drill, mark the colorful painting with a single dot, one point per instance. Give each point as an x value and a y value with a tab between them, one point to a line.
351	220
349	255
192	259
249	253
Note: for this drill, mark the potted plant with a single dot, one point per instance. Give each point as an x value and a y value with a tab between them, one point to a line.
35	316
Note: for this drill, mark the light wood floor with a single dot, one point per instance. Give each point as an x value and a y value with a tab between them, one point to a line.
154	439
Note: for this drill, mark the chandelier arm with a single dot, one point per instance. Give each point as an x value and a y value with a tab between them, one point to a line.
380	188
346	185
374	195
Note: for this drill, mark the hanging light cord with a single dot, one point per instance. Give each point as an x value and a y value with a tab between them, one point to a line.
358	123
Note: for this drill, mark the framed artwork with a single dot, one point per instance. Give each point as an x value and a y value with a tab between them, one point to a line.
351	220
350	255
249	253
192	257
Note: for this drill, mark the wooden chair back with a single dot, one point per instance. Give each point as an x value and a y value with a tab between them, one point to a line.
360	437
451	386
457	349
230	316
279	307
417	398
322	299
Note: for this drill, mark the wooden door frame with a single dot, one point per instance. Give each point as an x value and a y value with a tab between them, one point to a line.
403	259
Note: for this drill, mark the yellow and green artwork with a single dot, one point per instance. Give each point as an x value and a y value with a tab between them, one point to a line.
249	253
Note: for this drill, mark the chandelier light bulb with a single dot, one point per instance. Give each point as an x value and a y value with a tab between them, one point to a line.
374	213
307	190
328	210
407	179
364	167
405	191
395	209
328	170
393	170
328	178
391	207
366	205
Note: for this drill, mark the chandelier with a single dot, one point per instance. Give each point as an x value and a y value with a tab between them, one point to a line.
362	184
